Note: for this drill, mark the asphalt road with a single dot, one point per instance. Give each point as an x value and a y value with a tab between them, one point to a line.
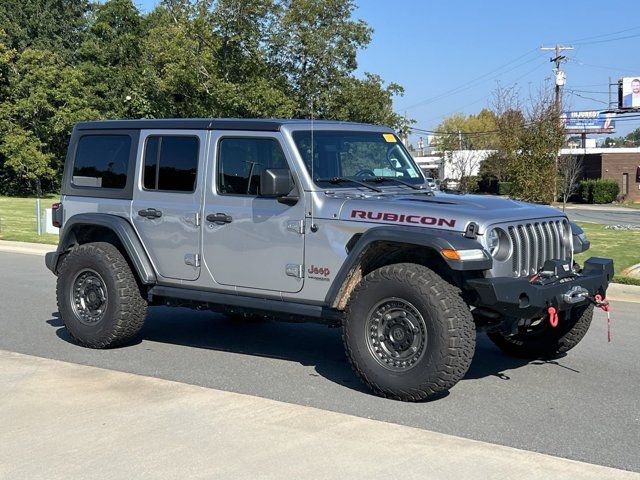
584	406
604	215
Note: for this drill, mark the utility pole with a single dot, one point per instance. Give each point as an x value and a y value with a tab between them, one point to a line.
561	79
560	75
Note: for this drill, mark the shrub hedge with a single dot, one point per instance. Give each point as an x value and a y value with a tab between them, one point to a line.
598	191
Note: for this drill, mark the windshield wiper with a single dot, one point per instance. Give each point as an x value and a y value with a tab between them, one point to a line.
394	179
347	179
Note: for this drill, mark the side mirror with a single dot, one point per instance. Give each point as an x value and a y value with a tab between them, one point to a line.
277	182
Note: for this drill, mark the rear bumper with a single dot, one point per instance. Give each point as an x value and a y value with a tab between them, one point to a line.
519	298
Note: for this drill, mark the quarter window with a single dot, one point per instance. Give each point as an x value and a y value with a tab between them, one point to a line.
102	161
242	160
170	163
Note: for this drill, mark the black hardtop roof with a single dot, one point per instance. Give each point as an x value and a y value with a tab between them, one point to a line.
254	124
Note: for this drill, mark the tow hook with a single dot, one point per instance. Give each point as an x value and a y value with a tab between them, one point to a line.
553	316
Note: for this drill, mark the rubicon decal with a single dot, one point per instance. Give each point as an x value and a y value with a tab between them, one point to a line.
402	218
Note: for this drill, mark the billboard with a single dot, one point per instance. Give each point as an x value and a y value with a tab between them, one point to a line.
629	92
591	121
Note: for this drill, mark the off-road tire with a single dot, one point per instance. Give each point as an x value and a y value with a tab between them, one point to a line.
550	342
450	338
126	307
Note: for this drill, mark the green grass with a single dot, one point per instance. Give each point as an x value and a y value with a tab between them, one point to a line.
18	219
621	245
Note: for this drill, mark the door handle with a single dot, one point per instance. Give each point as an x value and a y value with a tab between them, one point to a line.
219	218
150	213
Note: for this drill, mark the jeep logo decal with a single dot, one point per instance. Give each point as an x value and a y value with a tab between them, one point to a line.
401	218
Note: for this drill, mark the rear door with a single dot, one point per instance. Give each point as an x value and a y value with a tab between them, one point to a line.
167	200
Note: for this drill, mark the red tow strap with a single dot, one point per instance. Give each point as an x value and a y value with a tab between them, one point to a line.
604	306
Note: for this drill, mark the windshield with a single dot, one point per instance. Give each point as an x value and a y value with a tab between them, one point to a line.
355	155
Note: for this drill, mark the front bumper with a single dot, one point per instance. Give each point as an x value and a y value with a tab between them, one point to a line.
518	297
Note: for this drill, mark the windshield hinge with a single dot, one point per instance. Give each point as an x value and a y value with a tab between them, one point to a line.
296	226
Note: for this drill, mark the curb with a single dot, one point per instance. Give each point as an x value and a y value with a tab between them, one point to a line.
11	246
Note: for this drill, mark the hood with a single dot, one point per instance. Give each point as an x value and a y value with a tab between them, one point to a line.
445	211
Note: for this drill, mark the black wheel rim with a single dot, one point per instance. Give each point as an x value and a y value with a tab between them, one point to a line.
89	297
396	334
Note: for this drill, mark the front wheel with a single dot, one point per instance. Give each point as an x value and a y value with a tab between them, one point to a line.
544	341
407	333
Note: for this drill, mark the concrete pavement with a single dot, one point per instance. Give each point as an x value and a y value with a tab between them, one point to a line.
66	421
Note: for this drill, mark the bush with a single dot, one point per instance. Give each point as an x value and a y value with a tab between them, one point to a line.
605	191
504	188
488	184
585	191
469	184
598	191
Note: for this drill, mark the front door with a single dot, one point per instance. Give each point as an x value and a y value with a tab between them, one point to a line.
167	200
251	241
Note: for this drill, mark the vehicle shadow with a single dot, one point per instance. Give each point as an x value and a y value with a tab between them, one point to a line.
308	344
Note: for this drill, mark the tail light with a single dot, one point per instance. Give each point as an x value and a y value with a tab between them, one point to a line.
56	215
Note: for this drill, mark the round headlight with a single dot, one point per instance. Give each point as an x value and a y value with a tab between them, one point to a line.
498	244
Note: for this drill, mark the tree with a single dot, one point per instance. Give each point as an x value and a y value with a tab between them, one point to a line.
56	25
569	171
44	99
367	100
315	45
529	141
64	61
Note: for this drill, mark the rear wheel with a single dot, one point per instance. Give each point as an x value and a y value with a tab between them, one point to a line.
543	341
408	334
99	298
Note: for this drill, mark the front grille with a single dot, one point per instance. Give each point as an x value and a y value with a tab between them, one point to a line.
533	243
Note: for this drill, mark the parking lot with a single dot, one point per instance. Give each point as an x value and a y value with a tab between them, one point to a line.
583	406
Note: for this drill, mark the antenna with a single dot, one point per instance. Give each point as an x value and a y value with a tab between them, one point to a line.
314	227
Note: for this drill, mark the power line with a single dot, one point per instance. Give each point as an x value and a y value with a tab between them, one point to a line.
573	92
608	40
603	67
577	41
483	77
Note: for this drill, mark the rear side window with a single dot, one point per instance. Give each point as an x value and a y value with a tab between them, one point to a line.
102	161
242	160
170	163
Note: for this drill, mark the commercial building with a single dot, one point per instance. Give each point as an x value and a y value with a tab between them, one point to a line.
619	164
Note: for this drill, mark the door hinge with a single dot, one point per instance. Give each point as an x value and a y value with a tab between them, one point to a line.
192	259
296	226
294	270
195	219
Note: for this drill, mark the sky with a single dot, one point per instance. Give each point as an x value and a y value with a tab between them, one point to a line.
450	55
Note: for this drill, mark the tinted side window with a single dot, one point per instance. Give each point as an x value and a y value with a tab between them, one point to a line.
102	161
171	163
242	160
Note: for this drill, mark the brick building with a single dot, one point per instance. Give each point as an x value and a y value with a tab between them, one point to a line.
619	164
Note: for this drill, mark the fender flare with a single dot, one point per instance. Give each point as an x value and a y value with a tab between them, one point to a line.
120	227
436	240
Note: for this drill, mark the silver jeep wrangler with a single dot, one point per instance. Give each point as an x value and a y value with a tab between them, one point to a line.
324	221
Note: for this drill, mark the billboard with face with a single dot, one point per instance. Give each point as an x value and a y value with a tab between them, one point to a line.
589	122
629	96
